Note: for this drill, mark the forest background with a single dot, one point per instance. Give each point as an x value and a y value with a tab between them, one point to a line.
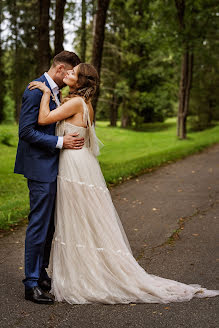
158	66
157	55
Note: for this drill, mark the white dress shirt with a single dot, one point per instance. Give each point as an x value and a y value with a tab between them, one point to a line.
55	90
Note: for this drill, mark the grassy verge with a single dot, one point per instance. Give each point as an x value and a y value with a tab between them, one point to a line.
126	153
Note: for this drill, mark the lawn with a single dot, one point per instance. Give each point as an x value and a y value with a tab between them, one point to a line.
126	153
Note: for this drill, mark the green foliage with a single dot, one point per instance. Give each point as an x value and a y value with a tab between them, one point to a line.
141	62
5	139
137	73
204	103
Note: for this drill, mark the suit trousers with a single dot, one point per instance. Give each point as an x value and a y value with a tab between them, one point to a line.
40	230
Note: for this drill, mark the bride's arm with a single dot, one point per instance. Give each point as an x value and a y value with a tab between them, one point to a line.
71	107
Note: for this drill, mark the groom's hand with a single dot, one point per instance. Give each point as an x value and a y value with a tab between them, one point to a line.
71	142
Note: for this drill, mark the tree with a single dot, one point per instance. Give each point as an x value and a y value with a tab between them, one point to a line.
204	104
21	64
2	73
83	31
186	72
59	32
138	75
44	53
98	40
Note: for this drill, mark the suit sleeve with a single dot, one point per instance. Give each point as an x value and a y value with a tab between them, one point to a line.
28	122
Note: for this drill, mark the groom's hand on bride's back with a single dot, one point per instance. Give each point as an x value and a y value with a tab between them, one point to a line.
71	141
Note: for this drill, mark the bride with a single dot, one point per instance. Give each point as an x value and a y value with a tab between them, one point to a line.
91	259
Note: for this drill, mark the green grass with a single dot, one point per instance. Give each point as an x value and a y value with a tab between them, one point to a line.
126	153
13	187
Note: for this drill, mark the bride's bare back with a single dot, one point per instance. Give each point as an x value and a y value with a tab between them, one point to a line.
77	119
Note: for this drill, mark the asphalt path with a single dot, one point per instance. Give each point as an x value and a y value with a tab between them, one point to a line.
171	217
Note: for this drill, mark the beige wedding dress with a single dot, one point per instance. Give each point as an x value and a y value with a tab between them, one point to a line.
91	259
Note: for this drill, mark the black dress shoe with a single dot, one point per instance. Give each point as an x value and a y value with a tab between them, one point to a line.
45	285
36	295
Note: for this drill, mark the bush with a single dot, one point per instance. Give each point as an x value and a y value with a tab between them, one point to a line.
6	138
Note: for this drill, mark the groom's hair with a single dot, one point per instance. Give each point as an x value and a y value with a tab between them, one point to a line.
66	57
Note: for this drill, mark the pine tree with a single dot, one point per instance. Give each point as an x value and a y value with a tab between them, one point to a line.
83	44
59	32
2	73
44	52
98	40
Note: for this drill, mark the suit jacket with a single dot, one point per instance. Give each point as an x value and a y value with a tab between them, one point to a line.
37	155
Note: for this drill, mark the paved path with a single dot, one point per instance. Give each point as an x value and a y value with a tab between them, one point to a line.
171	219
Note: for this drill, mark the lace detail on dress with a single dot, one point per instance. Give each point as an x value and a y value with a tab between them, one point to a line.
80	183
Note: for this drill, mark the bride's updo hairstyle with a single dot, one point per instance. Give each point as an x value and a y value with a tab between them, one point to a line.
87	82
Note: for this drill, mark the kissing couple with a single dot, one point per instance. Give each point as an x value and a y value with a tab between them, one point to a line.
74	233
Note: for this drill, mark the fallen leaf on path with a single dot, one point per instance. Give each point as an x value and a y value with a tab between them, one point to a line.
195	234
132	304
21	268
166	308
154	209
136	229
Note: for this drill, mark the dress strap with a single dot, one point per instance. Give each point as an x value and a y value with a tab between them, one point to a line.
95	143
86	115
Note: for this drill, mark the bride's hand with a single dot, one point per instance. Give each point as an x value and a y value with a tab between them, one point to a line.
39	85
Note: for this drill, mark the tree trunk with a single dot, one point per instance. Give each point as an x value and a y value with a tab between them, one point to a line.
184	92
2	77
186	73
14	11
59	31
43	43
125	120
83	31
102	6
114	111
125	117
94	13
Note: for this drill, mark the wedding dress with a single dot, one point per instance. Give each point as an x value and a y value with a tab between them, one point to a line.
91	260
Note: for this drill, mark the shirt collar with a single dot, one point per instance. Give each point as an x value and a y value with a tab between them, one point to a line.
54	87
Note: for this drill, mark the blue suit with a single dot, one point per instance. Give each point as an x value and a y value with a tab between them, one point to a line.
37	159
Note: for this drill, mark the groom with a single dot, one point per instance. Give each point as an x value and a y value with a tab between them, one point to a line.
37	159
